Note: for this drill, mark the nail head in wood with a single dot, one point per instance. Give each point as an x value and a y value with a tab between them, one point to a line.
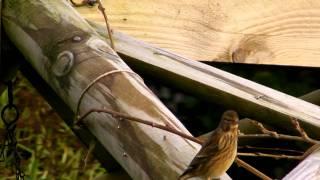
76	39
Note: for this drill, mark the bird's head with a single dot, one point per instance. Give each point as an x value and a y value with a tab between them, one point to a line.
229	121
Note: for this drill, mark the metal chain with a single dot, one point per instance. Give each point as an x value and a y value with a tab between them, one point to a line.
8	149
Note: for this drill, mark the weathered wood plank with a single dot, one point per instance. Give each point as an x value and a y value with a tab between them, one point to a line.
9	62
308	169
248	98
68	54
312	97
253	31
64	111
246	127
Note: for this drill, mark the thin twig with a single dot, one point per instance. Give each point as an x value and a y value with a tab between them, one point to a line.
280	136
304	137
152	124
301	131
251	169
312	149
270	149
265	130
297	126
90	149
174	131
275	156
102	9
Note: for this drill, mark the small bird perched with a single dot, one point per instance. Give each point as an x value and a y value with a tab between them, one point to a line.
218	152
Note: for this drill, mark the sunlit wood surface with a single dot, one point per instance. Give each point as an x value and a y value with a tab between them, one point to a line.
307	169
285	32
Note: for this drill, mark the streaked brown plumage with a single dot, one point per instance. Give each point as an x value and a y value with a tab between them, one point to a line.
218	152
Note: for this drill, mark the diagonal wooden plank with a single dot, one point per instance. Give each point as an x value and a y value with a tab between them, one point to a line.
308	169
249	98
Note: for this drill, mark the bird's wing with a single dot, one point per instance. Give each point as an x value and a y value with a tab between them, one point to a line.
209	149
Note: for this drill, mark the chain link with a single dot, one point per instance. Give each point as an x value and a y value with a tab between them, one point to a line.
8	149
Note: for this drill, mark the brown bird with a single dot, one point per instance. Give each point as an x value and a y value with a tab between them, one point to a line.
218	152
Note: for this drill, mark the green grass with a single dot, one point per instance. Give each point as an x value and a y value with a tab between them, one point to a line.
50	149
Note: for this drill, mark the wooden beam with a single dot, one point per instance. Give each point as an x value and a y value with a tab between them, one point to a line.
68	54
9	67
12	53
308	168
64	111
250	99
246	126
253	31
312	97
10	61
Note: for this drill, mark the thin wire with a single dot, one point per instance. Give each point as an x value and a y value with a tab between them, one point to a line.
94	82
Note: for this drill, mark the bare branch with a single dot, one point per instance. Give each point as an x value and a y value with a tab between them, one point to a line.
270	149
89	151
103	11
251	169
146	122
279	136
169	129
275	156
304	137
264	130
301	131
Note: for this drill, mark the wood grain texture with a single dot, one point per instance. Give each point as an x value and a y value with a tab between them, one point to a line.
250	99
247	127
69	55
283	32
308	169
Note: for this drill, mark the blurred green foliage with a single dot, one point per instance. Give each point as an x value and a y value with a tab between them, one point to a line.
48	147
